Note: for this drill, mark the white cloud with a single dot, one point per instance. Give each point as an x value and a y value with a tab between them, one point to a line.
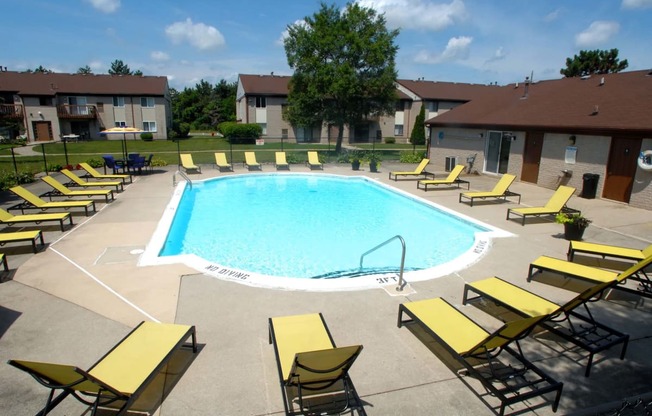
199	35
499	55
597	33
159	56
105	6
281	40
636	4
418	14
552	16
96	66
457	49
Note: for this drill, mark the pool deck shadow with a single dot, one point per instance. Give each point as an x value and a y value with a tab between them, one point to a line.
73	301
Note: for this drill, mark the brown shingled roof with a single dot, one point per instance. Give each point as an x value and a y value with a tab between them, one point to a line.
265	84
37	83
447	91
622	101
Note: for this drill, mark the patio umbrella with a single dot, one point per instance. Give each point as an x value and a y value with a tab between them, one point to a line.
124	131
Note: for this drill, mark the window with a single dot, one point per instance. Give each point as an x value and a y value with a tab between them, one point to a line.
263	126
400	105
45	101
147	102
261	102
432	106
398	130
149	126
118	101
100	107
121	124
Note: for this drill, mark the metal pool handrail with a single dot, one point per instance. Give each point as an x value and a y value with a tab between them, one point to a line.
184	176
401	283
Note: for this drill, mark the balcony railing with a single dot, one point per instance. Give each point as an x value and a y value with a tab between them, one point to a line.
76	111
11	111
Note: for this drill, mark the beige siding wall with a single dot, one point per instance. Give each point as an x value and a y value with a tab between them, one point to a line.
642	189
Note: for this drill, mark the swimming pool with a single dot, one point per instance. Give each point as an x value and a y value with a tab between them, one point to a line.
309	231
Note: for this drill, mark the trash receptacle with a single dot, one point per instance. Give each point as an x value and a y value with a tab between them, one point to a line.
590	185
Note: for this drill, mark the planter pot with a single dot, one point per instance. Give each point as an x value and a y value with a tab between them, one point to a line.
355	165
573	232
373	166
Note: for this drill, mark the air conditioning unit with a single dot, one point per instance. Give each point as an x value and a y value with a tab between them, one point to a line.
451	162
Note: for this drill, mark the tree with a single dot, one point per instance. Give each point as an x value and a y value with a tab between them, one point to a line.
138	72
594	62
42	70
418	135
119	68
204	106
344	68
86	70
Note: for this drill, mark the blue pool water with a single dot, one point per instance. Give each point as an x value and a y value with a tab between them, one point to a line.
312	226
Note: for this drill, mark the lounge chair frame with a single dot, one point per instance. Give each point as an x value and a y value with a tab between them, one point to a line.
596	275
91	172
188	164
280	161
313	161
221	163
530	378
546	210
76	180
292	387
605	250
19	236
5	265
105	394
417	173
582	330
60	190
452	179
36	218
494	194
28	197
250	161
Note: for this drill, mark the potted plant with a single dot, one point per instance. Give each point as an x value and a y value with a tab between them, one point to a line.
374	161
574	224
355	157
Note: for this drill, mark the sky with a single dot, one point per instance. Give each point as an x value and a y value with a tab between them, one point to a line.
469	41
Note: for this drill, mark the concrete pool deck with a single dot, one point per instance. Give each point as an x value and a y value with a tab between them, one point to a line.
73	301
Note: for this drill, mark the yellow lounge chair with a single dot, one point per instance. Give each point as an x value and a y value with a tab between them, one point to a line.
9	219
310	366
452	179
419	171
93	173
19	236
313	161
188	164
118	378
605	250
5	265
281	161
555	205
32	201
473	346
250	161
582	330
596	275
501	190
61	190
222	164
77	181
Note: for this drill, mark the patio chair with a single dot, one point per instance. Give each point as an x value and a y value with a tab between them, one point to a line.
188	164
222	164
77	181
148	163
281	161
32	201
251	162
137	163
313	372
555	205
61	190
500	191
605	250
452	179
419	171
10	219
93	173
313	161
596	275
478	350
121	376
20	236
563	320
113	164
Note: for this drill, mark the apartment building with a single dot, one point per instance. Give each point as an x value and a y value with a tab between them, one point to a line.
48	106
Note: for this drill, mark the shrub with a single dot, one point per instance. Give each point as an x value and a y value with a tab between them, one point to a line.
411	157
95	163
54	167
147	136
390	140
158	162
292	158
9	179
240	133
183	130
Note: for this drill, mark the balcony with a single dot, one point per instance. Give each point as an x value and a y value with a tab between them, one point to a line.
70	111
11	111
